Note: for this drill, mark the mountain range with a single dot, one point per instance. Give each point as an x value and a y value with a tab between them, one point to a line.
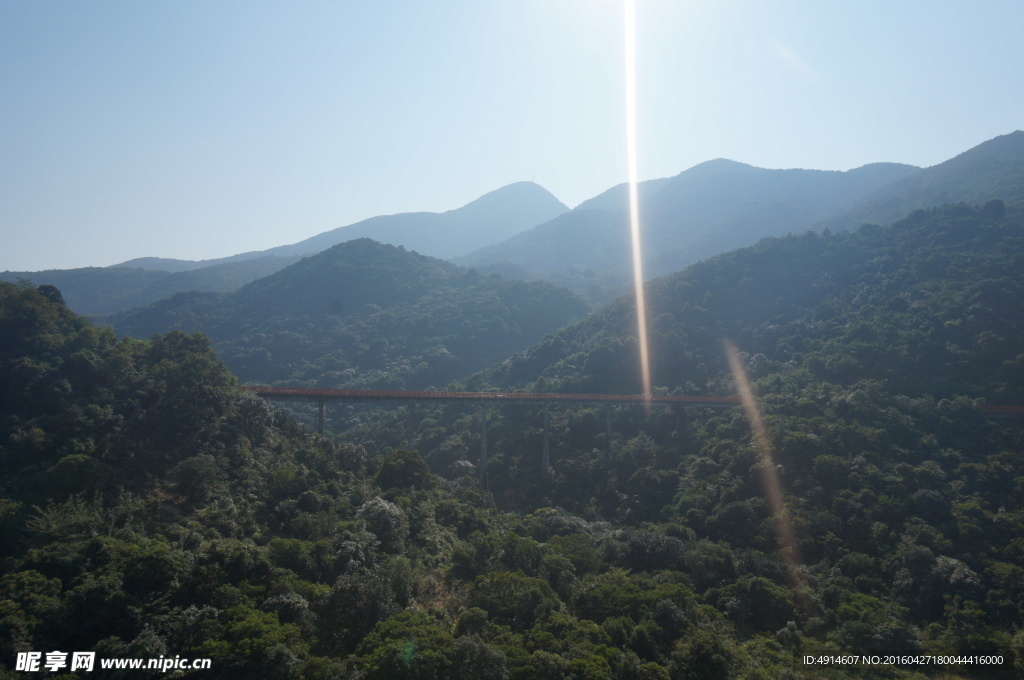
494	216
721	205
522	231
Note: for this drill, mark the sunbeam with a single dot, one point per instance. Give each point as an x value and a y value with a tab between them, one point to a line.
634	206
766	463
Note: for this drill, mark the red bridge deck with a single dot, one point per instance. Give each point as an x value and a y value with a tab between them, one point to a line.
400	396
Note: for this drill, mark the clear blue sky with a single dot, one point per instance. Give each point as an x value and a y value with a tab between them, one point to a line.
203	128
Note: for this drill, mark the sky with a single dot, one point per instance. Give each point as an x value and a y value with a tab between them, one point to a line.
197	129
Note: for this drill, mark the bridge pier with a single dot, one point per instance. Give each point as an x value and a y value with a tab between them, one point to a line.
483	446
547	448
608	427
320	418
410	429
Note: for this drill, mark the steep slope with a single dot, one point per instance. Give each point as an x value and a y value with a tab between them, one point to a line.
362	313
710	208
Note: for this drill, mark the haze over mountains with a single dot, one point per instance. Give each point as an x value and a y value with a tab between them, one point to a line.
522	231
711	208
720	205
494	216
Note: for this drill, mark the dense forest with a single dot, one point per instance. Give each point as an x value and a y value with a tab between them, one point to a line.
150	508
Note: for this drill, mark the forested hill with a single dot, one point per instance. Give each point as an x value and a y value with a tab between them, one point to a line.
363	314
933	304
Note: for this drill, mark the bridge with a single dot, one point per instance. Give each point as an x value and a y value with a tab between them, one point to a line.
546	400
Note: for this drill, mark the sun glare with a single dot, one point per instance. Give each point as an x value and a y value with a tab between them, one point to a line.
634	207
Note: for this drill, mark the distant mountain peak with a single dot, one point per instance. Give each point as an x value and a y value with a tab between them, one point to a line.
871	167
515	190
717	164
513	195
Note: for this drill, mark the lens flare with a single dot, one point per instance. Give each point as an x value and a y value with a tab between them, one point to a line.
766	462
634	204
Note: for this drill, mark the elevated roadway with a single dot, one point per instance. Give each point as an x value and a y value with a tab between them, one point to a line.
527	398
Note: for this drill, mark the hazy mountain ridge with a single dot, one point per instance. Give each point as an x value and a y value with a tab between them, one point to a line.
492	217
710	208
719	205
